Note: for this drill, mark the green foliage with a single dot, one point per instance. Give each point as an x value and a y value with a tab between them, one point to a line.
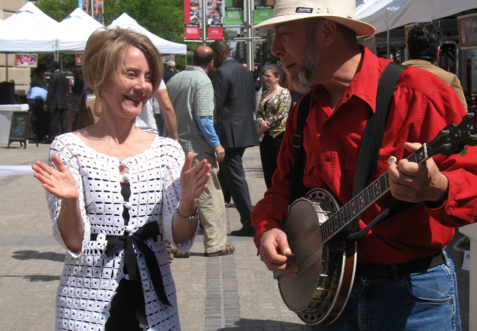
57	9
264	54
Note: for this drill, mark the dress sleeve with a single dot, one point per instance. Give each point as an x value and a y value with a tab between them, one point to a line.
62	149
174	160
283	105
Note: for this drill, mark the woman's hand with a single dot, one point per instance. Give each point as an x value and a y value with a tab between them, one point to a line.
193	180
264	127
60	183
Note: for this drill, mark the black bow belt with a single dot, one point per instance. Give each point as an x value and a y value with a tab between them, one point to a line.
117	243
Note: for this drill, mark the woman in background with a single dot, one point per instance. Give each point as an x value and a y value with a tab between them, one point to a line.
271	116
109	187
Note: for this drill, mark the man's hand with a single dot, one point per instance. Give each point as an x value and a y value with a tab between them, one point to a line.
219	153
417	182
45	108
270	242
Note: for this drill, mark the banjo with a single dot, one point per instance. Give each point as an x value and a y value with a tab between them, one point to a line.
315	224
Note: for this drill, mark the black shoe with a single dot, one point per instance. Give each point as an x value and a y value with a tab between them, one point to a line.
246	231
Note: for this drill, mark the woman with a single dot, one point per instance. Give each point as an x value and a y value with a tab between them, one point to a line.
271	116
109	188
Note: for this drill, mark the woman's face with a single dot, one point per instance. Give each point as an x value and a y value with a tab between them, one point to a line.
131	86
270	78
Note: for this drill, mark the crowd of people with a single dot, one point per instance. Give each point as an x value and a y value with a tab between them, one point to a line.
129	193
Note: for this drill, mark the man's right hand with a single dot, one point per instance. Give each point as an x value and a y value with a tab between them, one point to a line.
271	242
219	153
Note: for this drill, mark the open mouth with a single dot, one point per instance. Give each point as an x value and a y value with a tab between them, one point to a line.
133	99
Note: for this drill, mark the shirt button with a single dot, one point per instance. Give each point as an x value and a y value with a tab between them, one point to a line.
328	159
347	95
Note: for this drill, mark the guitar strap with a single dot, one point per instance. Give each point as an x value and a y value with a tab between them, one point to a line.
368	155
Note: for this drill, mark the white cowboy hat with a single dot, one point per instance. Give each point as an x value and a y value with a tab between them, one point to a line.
340	11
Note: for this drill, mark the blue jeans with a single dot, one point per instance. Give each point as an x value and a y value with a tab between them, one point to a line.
420	301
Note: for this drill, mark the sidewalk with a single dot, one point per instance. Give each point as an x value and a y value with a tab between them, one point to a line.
234	292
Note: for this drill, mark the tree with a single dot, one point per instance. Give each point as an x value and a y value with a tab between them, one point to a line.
57	9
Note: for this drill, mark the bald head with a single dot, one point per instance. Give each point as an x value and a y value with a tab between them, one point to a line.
203	56
221	50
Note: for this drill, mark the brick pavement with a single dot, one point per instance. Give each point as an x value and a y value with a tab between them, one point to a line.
233	292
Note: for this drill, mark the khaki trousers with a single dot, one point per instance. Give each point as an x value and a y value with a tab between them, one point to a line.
212	208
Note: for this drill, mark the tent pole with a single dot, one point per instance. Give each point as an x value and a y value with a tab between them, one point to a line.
6	66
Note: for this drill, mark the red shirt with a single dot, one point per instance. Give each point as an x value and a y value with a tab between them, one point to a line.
422	106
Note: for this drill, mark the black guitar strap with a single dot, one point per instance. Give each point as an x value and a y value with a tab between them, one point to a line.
368	155
297	189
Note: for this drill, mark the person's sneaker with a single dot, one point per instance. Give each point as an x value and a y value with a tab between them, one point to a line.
228	250
246	231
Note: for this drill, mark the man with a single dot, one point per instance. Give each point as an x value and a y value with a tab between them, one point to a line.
192	95
316	43
150	123
423	47
170	71
234	95
56	101
35	99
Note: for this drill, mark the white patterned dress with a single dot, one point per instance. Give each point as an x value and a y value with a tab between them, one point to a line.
90	278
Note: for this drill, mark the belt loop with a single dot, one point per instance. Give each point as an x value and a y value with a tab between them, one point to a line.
396	275
446	258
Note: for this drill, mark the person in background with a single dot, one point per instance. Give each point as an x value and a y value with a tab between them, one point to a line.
38	77
170	71
423	47
234	95
109	188
192	95
271	118
56	102
36	97
403	279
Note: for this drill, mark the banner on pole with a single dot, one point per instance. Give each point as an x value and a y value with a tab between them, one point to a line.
99	11
233	12
80	4
86	6
192	14
214	19
263	10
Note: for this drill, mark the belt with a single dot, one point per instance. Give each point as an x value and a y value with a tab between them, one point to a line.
117	243
399	269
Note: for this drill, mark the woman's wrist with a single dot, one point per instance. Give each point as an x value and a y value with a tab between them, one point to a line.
188	210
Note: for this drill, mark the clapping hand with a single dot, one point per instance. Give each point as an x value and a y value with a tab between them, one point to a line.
60	183
193	180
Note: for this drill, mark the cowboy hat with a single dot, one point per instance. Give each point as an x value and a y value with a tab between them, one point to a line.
339	11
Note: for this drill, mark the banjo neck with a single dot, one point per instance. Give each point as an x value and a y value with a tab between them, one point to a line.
363	200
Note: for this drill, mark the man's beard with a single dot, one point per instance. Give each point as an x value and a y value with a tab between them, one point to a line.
303	82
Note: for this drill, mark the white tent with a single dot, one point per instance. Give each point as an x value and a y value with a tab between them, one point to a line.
164	46
402	12
75	30
29	30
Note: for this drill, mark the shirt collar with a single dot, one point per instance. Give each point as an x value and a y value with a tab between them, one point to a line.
195	68
365	83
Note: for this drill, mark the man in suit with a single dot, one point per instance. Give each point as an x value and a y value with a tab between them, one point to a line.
170	72
423	47
56	101
234	95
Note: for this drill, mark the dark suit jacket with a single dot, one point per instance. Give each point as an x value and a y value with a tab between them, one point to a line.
57	90
168	74
235	102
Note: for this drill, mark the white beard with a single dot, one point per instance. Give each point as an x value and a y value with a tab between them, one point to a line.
305	79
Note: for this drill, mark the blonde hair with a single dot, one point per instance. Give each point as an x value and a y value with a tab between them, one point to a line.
103	54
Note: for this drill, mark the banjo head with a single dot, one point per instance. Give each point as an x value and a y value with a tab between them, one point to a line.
304	237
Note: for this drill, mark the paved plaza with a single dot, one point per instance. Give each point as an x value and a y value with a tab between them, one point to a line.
234	292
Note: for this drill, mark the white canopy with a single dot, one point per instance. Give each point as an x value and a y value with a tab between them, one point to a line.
164	46
28	30
402	12
75	30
